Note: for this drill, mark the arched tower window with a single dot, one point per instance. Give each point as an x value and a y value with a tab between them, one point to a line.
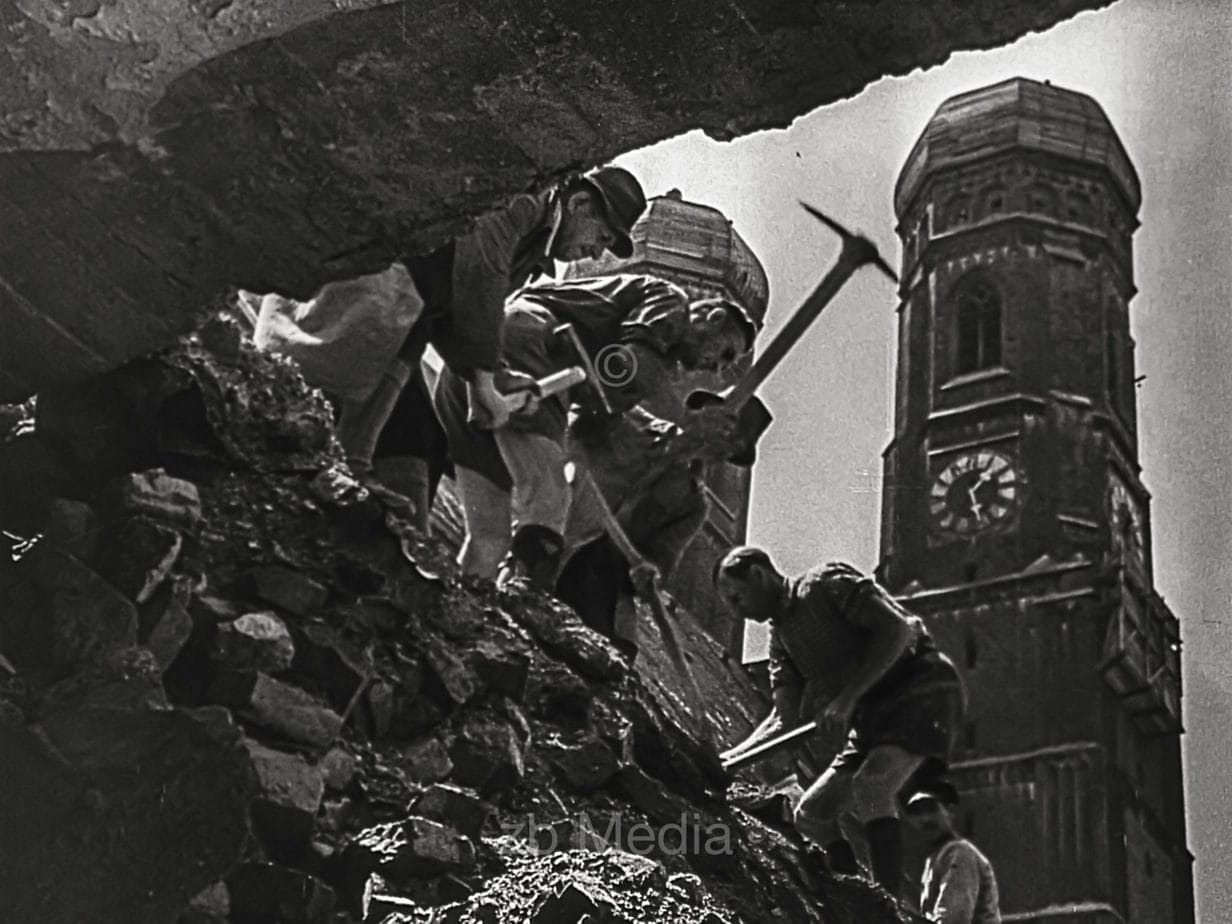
994	201
977	315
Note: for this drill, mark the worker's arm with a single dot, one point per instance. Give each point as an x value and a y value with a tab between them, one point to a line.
786	689
482	265
959	887
890	632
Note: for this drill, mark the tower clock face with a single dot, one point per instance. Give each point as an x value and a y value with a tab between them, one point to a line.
975	491
1125	517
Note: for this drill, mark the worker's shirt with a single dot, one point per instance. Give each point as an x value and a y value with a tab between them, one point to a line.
608	314
465	283
959	886
817	638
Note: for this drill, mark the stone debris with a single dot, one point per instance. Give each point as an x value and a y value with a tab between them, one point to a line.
255	641
236	699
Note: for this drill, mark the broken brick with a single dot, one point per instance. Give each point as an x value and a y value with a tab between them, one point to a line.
488	756
450	672
584	767
151	493
501	668
289	793
428	761
289	589
136	554
76	618
334	662
462	809
164	623
338	768
254	641
277	706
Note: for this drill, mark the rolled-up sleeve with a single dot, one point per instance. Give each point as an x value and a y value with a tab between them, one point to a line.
483	261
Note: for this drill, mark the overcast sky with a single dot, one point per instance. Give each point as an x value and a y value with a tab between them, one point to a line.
1163	73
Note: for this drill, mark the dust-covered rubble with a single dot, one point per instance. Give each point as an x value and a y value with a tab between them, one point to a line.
233	691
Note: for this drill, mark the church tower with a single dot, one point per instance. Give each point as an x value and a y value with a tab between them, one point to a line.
1014	515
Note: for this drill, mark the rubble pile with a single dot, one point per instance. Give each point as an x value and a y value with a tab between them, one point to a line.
233	687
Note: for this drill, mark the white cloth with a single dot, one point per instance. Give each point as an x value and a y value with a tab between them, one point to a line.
346	336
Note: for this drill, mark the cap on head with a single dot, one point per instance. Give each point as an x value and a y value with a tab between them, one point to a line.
938	791
623	203
744	321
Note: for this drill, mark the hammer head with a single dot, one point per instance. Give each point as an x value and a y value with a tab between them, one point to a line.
863	250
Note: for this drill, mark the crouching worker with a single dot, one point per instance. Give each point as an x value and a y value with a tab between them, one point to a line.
361	340
958	885
844	653
512	479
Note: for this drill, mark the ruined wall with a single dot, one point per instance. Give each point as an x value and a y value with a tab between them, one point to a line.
152	154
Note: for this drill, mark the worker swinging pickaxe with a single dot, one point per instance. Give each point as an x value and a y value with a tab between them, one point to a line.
857	251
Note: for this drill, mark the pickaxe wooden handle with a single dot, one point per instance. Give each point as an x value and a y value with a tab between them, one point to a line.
637	560
857	251
734	760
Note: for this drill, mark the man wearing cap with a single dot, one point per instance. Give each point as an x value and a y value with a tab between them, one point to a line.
958	885
516	473
452	298
845	653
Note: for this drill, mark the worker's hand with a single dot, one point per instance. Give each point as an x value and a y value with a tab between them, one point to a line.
488	408
835	718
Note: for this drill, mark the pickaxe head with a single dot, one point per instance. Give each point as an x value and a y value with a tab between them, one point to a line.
862	250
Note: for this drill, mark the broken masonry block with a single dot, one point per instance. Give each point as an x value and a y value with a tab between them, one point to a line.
70	525
136	554
461	808
563	635
339	665
428	762
76	618
413	715
266	892
455	683
255	641
584	767
288	796
288	589
487	756
338	768
164	624
277	706
151	493
400	850
501	668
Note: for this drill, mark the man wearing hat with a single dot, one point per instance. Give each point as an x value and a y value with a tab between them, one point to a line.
844	652
361	340
958	885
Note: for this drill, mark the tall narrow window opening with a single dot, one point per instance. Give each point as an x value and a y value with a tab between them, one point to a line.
978	318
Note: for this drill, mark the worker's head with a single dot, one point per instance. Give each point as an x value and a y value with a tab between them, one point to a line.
749	583
720	332
930	809
597	212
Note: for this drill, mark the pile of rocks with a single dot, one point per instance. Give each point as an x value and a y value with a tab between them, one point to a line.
231	691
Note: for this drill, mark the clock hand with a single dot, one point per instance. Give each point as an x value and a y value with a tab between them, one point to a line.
976	507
